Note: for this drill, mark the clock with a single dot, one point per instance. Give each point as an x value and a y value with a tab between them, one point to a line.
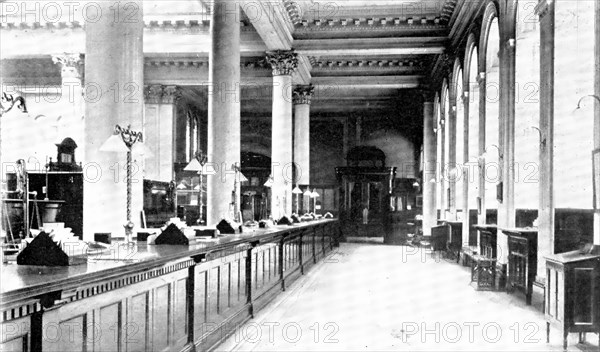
65	157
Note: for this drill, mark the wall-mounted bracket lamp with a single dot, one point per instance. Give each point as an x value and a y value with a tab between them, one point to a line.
486	152
542	137
583	97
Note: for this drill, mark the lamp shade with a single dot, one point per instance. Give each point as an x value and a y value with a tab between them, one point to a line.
308	193
314	193
194	165
241	177
297	190
269	182
114	143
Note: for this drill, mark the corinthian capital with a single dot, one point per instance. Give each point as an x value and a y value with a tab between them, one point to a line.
153	93
71	64
283	62
303	94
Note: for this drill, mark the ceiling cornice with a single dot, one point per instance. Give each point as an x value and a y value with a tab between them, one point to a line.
371	46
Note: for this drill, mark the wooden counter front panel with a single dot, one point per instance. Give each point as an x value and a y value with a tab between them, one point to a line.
16	335
150	315
219	297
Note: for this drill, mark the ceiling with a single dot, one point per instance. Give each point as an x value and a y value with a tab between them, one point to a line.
367	56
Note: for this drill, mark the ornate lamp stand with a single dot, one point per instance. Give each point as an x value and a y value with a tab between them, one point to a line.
129	139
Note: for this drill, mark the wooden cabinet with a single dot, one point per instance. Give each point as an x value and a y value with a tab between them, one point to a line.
522	260
64	186
573	293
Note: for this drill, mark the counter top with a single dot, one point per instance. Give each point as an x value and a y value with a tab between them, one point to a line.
21	281
486	226
519	230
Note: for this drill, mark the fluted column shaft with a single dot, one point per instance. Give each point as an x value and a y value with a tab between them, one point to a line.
429	169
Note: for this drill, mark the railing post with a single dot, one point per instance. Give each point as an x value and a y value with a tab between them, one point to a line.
282	261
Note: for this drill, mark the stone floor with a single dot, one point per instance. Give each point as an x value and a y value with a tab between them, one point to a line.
368	297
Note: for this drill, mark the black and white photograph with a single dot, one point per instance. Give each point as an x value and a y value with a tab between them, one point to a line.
300	175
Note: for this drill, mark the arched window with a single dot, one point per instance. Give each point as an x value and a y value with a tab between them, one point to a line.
527	106
492	169
446	155
460	139
473	166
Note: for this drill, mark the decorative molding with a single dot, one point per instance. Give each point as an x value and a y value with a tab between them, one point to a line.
303	94
448	10
170	94
164	25
152	93
293	12
283	62
160	94
371	24
71	64
20	310
368	64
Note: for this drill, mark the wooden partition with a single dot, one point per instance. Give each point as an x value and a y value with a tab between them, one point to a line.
157	298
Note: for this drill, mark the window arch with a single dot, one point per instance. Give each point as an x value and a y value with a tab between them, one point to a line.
492	170
473	100
459	146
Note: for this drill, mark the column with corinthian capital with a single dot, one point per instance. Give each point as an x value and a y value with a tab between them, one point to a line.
302	98
284	63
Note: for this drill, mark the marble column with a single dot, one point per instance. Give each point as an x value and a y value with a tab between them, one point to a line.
72	122
302	97
114	74
223	110
481	81
284	63
429	166
159	122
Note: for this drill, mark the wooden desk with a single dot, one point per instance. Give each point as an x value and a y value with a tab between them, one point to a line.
522	259
572	294
148	297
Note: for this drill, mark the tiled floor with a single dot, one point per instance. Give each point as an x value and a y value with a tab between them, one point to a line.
367	297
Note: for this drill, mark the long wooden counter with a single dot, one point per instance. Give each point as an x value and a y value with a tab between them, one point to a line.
149	297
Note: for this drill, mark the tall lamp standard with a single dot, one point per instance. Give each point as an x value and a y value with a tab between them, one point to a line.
197	164
123	140
297	191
